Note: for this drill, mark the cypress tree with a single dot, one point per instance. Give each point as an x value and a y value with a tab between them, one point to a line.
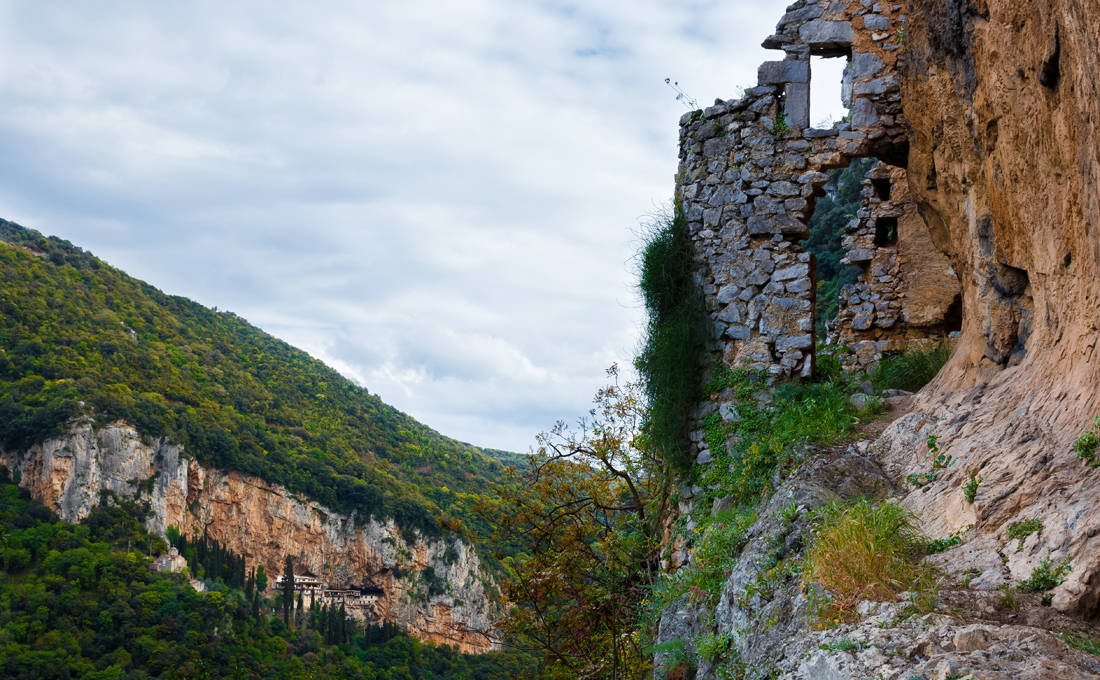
288	589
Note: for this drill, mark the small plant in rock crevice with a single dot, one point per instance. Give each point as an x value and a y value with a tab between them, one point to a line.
1022	529
940	545
781	127
970	489
940	461
1046	576
1087	444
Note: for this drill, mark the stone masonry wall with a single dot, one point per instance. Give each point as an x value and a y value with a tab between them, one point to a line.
751	169
907	292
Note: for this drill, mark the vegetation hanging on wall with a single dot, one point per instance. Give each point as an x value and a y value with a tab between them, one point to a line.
676	334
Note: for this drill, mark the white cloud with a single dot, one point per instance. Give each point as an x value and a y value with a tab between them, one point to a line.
438	199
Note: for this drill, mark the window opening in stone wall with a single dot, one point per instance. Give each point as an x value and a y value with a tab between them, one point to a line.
886	231
828	105
882	188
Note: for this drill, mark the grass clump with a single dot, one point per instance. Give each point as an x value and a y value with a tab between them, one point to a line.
865	551
675	335
1088	442
845	645
910	370
1082	641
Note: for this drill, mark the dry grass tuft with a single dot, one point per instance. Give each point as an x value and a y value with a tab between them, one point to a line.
864	551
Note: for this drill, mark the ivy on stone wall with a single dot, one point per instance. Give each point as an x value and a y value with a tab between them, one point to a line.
676	334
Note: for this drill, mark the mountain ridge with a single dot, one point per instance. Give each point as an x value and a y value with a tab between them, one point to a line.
78	336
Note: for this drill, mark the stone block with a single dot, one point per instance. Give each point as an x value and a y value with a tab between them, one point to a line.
875	22
783	72
794	342
783	188
727	294
863	114
864	65
860	255
802	285
760	226
796	271
877	86
798	105
731	314
827	34
738	332
862	322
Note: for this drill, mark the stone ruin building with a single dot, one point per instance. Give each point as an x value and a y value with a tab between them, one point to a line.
750	171
361	603
907	292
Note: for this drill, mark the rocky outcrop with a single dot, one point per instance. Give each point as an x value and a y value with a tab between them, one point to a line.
434	588
767	615
1004	166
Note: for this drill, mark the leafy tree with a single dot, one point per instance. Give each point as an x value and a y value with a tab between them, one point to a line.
588	515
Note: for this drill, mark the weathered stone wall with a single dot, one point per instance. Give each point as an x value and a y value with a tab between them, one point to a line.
907	291
750	170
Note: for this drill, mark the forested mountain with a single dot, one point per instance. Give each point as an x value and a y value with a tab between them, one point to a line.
78	336
80	601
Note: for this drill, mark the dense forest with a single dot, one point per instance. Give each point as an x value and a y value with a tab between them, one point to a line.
79	336
80	601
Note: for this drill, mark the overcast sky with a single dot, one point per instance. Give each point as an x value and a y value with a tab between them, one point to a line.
439	199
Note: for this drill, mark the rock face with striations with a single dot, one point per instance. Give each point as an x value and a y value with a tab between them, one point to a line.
264	522
1002	97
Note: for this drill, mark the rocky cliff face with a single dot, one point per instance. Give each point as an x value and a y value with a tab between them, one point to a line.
264	523
1002	97
1001	152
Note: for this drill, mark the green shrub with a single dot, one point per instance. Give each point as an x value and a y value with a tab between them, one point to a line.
712	646
669	363
1046	576
970	489
1088	442
910	370
1022	529
944	544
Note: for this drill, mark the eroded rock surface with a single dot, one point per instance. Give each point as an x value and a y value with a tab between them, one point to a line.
265	522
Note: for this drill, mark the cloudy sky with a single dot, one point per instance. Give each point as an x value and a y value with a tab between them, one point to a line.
441	200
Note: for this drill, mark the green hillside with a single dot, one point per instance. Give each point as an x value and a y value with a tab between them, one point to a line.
79	336
80	601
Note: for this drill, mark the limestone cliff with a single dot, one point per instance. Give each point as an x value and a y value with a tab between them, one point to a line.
1002	97
264	522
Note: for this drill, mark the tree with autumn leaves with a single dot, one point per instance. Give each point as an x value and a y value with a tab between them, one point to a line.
587	515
